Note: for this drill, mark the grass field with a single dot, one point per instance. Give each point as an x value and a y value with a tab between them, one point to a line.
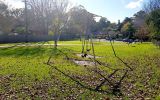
25	73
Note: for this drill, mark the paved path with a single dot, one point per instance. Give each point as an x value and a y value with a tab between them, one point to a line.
33	45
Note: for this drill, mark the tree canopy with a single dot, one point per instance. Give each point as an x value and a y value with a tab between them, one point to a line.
152	9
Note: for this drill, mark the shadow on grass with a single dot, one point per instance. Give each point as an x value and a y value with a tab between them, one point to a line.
22	51
115	87
78	82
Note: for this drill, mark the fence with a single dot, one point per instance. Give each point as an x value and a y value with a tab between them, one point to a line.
33	38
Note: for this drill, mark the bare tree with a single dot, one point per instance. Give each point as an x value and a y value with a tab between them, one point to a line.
17	13
3	8
151	5
40	13
60	18
142	32
49	15
6	20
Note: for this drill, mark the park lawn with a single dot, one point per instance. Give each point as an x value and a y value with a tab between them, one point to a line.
25	74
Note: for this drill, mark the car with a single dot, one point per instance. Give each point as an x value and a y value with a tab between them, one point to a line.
128	40
125	40
137	40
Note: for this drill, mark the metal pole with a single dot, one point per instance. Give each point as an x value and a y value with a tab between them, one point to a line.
93	50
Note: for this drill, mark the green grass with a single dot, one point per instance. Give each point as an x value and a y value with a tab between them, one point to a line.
24	72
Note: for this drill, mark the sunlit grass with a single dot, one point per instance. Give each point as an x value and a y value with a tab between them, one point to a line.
27	65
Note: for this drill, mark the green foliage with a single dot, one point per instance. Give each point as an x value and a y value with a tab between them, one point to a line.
129	29
103	23
153	22
81	21
157	98
141	14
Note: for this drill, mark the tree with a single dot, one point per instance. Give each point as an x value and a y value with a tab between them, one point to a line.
3	7
6	20
153	21
152	8
48	15
122	28
40	15
151	5
60	19
142	33
126	20
82	19
18	15
139	24
128	29
103	23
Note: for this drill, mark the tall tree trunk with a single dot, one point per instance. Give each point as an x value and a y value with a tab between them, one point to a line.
55	40
57	37
141	39
55	44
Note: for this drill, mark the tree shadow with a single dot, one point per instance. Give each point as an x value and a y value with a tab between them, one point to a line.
22	51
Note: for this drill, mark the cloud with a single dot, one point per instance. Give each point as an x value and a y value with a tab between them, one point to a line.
134	4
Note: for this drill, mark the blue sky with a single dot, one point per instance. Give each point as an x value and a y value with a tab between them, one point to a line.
113	10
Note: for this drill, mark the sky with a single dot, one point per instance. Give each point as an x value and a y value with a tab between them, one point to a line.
113	10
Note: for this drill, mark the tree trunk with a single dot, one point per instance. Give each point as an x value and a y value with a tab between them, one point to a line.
55	44
55	41
26	37
141	39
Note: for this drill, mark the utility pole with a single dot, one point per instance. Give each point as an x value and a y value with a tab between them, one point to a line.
26	21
